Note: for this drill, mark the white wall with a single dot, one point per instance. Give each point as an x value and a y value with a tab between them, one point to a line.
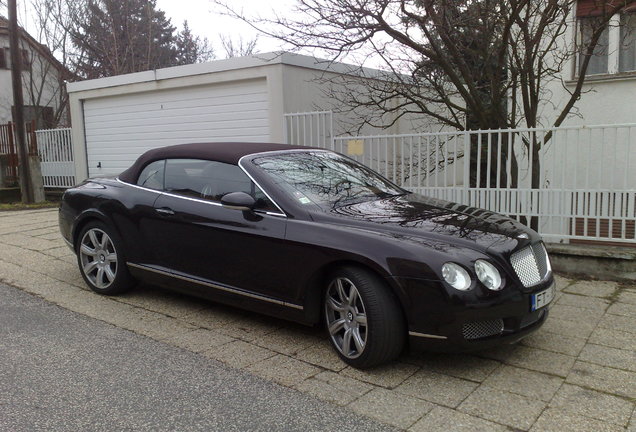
605	99
307	89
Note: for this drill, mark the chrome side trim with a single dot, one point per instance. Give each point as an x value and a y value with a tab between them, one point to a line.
282	214
215	286
425	335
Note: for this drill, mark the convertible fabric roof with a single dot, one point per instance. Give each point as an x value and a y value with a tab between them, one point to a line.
228	152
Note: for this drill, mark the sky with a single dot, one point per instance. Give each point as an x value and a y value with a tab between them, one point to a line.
206	19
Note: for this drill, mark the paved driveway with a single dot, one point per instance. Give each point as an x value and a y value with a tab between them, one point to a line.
63	371
578	373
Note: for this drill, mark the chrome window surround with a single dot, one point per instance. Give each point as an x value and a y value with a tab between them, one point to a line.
218	204
273	152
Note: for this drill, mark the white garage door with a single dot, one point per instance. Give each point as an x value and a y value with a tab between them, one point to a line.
120	128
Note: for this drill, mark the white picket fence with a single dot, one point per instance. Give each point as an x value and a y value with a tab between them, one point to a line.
585	181
314	129
55	148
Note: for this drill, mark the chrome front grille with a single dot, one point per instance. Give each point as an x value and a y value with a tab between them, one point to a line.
482	329
531	264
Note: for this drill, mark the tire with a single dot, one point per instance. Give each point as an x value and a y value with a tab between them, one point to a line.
363	319
102	261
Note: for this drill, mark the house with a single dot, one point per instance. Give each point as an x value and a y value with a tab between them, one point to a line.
115	119
609	91
42	81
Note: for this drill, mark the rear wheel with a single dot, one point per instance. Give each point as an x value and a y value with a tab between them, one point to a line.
101	260
364	321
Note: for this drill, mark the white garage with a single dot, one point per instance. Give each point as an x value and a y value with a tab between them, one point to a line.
120	128
116	119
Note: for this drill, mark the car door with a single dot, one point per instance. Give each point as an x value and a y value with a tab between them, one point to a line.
135	226
200	238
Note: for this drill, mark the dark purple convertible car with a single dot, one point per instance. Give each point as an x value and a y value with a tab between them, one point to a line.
315	237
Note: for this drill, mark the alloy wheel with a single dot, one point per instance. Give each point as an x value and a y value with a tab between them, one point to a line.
98	258
346	317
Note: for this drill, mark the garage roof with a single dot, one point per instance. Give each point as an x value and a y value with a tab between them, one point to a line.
257	60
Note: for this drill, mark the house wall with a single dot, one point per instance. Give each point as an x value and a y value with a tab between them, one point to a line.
41	85
591	158
605	99
6	92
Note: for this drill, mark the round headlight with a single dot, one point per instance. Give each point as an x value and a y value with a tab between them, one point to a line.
456	276
488	275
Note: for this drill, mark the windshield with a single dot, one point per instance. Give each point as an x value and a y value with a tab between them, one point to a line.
326	179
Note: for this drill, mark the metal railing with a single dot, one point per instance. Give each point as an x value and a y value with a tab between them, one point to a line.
55	148
571	184
314	129
9	146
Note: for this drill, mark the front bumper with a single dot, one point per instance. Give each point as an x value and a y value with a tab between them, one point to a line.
441	322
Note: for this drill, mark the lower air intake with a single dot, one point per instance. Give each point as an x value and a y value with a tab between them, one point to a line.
482	329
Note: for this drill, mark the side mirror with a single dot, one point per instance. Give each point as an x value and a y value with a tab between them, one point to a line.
238	201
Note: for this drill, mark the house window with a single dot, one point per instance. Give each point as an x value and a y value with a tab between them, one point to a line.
598	61
616	48
3	59
627	53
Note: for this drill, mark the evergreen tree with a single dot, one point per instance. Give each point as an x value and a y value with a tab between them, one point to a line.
123	36
190	48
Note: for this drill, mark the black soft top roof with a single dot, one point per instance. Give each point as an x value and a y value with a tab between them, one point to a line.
228	152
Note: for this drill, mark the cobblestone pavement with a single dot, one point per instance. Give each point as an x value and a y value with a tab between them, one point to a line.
578	373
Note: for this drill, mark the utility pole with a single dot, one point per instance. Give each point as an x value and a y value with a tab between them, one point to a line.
26	186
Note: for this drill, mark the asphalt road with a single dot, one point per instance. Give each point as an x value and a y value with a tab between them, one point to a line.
63	371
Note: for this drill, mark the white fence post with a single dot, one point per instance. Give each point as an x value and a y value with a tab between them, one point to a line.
314	129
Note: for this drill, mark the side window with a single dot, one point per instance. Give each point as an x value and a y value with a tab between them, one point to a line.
152	176
210	180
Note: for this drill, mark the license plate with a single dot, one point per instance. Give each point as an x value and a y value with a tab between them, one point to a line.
541	299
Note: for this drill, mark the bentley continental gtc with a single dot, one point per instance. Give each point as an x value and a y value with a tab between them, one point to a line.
312	236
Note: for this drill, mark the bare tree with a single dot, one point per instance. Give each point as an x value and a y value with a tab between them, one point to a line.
457	61
238	47
465	64
47	72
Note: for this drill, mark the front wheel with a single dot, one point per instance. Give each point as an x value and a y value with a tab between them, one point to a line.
365	323
101	260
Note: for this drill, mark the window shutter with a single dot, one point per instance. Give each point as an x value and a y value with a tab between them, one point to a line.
3	58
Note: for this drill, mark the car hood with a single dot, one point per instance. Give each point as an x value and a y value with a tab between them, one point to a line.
417	215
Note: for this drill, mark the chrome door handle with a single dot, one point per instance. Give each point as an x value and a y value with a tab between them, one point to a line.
165	211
